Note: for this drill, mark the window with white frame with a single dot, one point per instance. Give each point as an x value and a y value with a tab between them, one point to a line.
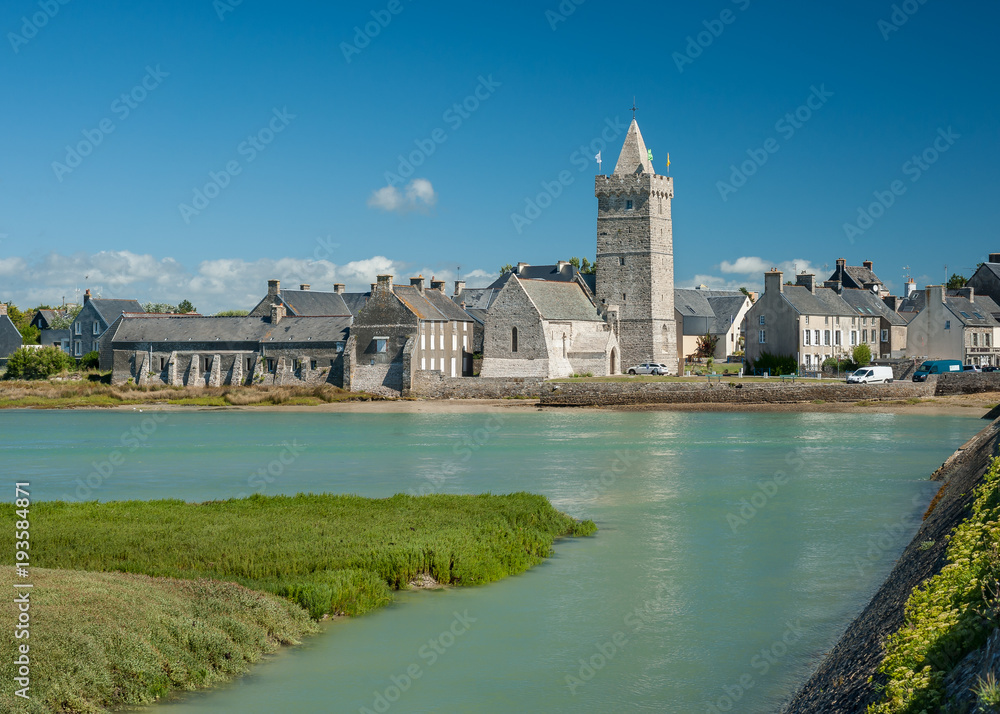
837	339
77	328
864	335
826	337
762	319
78	347
97	328
816	336
381	344
854	337
885	335
808	334
762	336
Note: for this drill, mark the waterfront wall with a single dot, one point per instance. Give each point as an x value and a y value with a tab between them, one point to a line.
967	383
841	683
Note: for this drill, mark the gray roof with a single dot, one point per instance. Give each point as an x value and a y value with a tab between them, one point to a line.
355	301
560	300
313	303
713	311
110	310
538	272
867	304
476	298
855	276
977	314
445	305
180	329
824	302
429	304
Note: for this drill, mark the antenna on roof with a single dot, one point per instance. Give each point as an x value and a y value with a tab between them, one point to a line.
459	269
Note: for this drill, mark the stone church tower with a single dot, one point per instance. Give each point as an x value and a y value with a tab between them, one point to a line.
635	255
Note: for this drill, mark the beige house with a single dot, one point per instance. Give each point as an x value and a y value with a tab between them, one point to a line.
812	323
718	313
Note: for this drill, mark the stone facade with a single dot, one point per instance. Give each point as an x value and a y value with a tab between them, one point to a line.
94	319
635	262
956	324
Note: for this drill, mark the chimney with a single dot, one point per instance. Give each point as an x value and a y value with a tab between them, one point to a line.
807	280
277	312
459	287
841	264
338	288
868	264
86	296
373	288
3	309
892	302
994	258
772	282
934	293
968	292
273	286
520	267
437	285
835	285
417	282
911	287
561	265
384	283
304	286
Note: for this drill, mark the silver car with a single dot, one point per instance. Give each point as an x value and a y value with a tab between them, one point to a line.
649	368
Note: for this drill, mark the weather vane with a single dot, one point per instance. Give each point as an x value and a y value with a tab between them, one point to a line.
633	108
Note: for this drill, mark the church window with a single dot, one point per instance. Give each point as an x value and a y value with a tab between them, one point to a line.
628	205
513	339
621	260
623	297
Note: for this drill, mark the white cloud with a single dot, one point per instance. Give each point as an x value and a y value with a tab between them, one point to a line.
752	265
417	195
212	285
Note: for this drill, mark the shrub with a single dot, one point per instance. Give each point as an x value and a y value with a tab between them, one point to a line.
862	355
41	363
90	360
774	364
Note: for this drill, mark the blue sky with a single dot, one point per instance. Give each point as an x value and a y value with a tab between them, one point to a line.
291	119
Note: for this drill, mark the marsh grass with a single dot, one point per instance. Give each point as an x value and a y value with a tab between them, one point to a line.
101	641
330	554
85	393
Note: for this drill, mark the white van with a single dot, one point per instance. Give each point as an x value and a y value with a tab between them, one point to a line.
871	375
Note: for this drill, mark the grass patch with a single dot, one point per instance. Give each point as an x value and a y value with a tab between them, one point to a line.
949	615
101	641
86	393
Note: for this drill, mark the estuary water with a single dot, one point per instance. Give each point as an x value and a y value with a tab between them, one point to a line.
733	548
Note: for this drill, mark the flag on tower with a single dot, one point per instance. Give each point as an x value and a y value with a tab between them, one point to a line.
598	157
668	162
649	155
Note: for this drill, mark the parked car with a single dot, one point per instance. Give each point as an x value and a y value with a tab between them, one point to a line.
936	366
649	368
971	368
989	368
871	375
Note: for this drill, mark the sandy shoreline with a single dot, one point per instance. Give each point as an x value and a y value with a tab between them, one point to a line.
971	405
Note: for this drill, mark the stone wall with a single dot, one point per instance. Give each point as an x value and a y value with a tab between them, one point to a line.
383	379
967	383
434	385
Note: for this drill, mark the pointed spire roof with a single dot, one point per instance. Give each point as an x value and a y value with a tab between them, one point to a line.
634	159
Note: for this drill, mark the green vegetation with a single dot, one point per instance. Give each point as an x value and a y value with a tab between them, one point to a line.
583	265
774	365
705	346
91	360
102	641
22	321
232	313
40	363
957	281
949	615
331	554
93	392
64	322
862	355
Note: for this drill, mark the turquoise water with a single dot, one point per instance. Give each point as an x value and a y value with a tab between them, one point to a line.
733	550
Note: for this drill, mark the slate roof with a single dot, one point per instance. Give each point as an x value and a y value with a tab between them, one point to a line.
867	304
984	305
824	302
355	301
717	309
43	317
429	304
110	310
313	303
476	298
180	329
560	300
445	306
538	272
855	276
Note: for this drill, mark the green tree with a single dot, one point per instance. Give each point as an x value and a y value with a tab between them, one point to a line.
159	308
91	360
186	307
506	268
233	313
862	355
956	281
583	265
22	321
65	321
748	294
30	363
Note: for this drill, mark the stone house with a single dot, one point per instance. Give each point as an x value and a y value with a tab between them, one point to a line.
858	277
548	329
94	319
195	350
10	336
955	324
405	328
986	279
303	302
718	313
812	323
